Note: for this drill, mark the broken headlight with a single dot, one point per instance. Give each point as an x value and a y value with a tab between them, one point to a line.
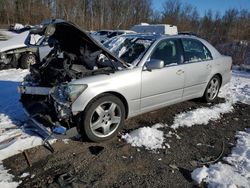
68	92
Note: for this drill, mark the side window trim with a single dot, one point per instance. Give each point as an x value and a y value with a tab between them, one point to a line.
178	48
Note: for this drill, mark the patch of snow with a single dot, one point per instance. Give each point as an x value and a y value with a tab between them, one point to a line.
24	175
12	115
21	144
167	145
201	115
149	137
238	90
12	135
234	174
66	141
18	26
170	134
200	174
6	179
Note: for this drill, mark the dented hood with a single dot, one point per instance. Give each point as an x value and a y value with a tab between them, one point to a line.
70	38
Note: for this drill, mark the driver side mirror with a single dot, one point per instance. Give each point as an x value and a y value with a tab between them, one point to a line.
154	64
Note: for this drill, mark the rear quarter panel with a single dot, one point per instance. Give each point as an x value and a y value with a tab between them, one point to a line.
222	65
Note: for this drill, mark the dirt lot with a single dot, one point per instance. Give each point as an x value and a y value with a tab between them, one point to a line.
116	164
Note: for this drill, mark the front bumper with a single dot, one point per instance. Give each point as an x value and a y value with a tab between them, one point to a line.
43	111
31	90
35	126
47	133
62	110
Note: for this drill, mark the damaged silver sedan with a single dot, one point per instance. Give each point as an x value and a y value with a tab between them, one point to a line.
85	85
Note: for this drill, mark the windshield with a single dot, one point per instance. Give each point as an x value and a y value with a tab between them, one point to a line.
129	49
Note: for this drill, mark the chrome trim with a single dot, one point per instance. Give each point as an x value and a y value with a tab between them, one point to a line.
33	90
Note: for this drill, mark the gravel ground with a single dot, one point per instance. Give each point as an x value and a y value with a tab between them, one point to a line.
116	163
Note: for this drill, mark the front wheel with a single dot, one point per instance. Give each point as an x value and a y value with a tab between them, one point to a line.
212	89
102	118
27	60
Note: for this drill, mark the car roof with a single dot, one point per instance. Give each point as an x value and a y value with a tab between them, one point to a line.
122	30
151	36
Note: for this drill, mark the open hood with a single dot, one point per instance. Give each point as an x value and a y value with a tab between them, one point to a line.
71	38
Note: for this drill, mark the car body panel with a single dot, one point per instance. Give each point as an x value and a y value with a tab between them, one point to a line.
157	87
125	83
197	76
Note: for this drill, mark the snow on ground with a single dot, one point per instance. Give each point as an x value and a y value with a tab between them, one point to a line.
12	115
6	179
201	115
11	118
234	174
149	137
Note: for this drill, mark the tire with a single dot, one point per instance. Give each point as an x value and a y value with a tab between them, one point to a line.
27	60
102	119
212	89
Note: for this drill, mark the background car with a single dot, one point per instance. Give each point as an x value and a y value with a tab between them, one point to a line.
104	35
101	35
23	50
26	48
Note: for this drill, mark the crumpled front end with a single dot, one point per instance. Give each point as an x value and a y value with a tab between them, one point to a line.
46	93
45	107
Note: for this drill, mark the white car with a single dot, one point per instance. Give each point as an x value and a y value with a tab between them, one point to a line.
22	50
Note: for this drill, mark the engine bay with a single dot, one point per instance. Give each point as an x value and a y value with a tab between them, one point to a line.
74	55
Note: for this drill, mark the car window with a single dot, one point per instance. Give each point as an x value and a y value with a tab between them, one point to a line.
167	51
195	51
129	49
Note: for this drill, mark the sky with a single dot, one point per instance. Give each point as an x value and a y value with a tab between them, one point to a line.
204	5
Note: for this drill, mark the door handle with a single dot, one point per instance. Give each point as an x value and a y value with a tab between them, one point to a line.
179	72
209	66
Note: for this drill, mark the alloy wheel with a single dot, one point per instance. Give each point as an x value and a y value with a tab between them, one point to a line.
213	88
105	119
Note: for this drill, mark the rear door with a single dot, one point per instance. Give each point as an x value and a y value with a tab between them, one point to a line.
197	65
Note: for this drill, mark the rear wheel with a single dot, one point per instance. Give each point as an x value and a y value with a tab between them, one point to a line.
103	118
212	89
27	60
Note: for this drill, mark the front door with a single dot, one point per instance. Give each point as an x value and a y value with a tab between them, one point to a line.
161	87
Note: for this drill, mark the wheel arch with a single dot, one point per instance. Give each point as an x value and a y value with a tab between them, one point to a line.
118	95
220	76
123	99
